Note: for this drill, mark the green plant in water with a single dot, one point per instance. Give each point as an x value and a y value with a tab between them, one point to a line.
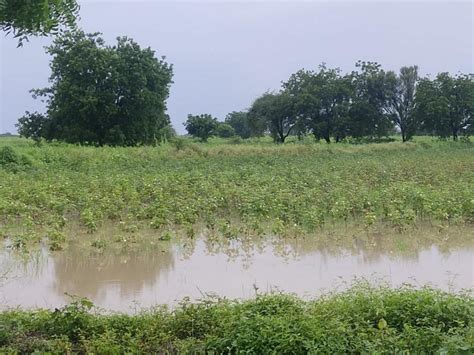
99	244
166	236
56	239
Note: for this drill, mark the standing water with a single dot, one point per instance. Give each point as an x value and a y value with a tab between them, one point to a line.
124	280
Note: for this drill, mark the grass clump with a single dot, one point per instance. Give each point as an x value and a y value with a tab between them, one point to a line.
363	319
11	161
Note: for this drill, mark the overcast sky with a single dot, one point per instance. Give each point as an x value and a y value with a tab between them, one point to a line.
226	53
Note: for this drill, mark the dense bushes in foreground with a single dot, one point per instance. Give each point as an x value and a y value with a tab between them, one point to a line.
360	320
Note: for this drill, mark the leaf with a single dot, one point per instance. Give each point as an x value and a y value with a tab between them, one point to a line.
382	324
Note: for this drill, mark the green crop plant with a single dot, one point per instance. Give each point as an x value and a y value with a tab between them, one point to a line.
254	186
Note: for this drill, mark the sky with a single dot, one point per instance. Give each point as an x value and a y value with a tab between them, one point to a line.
227	53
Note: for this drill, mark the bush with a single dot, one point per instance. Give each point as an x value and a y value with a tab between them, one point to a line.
8	156
225	130
10	160
363	319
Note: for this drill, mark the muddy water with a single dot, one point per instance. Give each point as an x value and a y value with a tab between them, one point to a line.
124	280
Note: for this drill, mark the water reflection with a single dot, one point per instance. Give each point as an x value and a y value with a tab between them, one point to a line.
164	272
88	273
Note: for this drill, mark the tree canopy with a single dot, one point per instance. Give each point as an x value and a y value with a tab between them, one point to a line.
369	97
26	18
321	100
445	105
201	126
225	130
102	94
277	111
401	101
243	124
369	102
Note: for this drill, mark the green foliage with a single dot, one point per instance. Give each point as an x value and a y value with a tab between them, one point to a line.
56	239
446	105
367	118
32	125
102	94
224	130
362	319
33	17
201	126
8	156
277	111
401	101
322	101
11	161
245	125
166	134
366	103
257	186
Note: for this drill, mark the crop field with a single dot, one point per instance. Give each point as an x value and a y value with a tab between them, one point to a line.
191	191
416	196
230	189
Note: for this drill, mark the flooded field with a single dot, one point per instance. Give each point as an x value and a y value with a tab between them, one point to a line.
165	272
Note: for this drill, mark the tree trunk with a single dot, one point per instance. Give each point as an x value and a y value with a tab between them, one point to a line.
404	137
455	134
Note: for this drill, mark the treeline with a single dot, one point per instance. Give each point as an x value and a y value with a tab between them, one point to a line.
367	102
116	95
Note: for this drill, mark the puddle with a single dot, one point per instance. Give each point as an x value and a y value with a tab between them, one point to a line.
127	280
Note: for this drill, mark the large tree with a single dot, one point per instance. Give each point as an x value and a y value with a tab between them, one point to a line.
239	121
369	97
446	104
201	126
34	17
245	125
401	102
321	101
103	94
277	110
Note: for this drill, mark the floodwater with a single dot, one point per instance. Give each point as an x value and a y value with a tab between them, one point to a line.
126	280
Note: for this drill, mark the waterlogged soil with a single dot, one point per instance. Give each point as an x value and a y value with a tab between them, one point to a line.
164	272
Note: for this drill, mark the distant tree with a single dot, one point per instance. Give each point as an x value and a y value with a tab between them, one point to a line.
224	130
201	126
104	95
239	120
446	104
37	17
278	112
401	101
321	101
369	97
